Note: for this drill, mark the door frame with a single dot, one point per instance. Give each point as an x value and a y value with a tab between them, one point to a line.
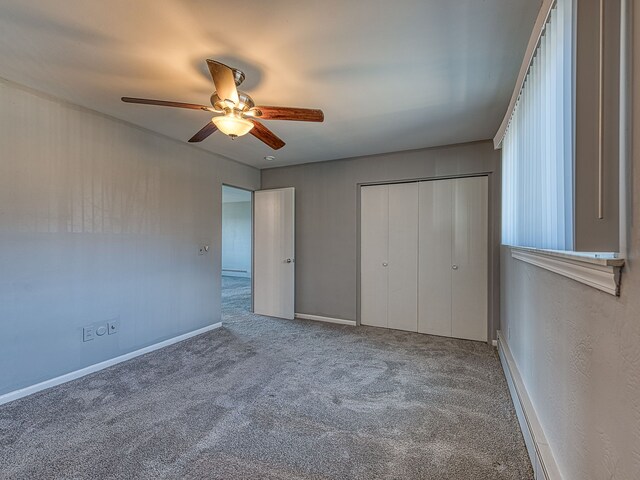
252	192
493	255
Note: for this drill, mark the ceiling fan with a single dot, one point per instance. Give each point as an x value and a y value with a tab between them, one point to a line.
237	112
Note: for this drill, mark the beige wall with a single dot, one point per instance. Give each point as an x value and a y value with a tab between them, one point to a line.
327	217
578	350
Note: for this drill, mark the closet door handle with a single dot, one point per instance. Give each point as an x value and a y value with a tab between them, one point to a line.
385	264
454	267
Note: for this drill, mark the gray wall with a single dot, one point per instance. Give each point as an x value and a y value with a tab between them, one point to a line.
327	217
99	220
578	350
593	234
236	239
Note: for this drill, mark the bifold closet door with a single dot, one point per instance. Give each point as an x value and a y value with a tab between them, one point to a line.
469	285
374	248
453	256
424	251
403	257
388	256
435	253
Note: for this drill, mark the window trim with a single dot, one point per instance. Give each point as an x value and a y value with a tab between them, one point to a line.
598	270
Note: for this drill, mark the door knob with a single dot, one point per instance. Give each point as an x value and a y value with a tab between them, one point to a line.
289	260
384	264
454	267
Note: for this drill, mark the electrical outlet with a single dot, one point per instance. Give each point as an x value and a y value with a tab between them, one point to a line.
88	333
114	326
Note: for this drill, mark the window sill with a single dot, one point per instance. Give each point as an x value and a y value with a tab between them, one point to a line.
601	271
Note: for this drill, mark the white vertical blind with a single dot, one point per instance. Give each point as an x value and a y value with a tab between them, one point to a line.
537	151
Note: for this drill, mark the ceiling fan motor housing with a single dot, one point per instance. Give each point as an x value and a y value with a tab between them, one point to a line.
238	76
245	102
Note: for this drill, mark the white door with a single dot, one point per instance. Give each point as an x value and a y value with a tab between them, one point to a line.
424	254
436	239
274	252
388	256
374	248
403	257
469	259
453	256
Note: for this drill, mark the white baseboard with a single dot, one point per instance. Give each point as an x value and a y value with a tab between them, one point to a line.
542	460
318	318
67	377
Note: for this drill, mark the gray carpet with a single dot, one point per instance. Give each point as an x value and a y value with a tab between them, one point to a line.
272	399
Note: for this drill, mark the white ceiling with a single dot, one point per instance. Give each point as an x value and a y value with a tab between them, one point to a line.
389	75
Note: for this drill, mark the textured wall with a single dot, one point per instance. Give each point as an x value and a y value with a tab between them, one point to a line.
236	238
578	350
327	216
100	220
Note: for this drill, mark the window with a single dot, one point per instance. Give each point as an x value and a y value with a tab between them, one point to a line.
538	145
565	143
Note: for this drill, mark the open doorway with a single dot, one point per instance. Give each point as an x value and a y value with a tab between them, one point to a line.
236	251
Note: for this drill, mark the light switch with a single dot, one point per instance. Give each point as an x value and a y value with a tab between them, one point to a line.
89	333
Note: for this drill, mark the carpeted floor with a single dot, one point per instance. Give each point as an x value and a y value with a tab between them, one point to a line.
264	398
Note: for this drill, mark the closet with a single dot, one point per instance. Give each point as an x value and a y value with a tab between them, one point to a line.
423	257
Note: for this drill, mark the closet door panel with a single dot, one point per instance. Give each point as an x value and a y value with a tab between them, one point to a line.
470	258
403	257
374	247
434	264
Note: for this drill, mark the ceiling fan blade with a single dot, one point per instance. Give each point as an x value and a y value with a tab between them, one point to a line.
290	113
204	132
164	103
265	135
224	80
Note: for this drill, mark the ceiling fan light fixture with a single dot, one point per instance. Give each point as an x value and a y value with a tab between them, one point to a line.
232	125
231	106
